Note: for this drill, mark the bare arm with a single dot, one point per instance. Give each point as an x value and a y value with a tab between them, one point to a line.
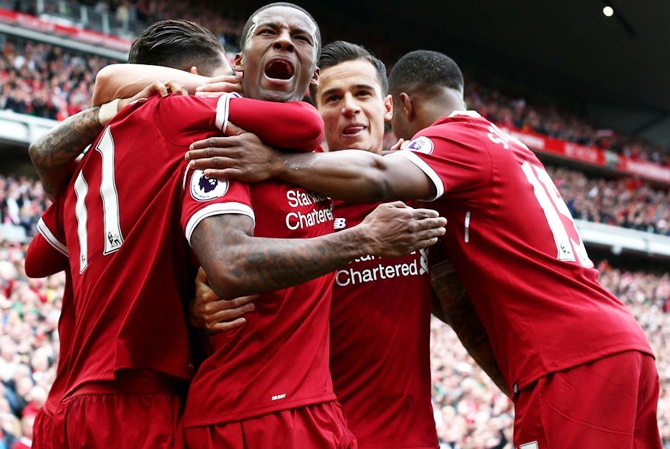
349	175
54	154
452	306
238	264
126	80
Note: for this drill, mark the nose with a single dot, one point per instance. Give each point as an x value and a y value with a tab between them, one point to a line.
284	41
350	105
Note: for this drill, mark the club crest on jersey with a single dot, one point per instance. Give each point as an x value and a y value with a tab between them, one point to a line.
421	145
205	189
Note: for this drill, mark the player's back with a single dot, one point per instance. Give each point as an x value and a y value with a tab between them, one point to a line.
128	252
519	253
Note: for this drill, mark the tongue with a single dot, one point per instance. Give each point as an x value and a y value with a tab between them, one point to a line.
353	130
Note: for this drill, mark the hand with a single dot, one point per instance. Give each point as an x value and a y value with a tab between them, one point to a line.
219	85
155	88
399	145
241	155
395	229
209	313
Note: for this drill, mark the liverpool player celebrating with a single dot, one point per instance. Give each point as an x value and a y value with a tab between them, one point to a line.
581	370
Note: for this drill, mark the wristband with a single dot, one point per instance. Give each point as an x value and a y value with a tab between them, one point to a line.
107	112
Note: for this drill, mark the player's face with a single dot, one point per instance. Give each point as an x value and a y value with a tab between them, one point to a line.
279	58
353	108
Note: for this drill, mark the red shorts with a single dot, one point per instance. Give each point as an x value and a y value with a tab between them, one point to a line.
138	415
42	430
608	403
319	426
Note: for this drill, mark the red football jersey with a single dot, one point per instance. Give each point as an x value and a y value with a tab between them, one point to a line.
517	250
380	344
126	214
178	200
279	359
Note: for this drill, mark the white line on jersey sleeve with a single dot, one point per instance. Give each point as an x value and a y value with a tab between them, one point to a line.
416	160
51	238
217	209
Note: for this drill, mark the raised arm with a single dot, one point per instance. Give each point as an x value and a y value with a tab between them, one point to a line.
238	264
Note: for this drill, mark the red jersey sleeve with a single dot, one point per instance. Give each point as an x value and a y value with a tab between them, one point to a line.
47	253
204	197
294	125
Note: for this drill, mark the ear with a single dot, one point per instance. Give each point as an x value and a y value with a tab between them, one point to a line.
193	70
388	108
407	106
315	77
238	63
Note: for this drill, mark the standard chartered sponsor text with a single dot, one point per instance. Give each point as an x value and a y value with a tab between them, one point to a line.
297	220
354	275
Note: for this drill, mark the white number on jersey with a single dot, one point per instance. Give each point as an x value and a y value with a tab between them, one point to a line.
110	203
552	204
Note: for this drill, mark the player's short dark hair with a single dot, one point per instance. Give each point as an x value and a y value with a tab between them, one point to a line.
179	44
341	51
250	21
423	70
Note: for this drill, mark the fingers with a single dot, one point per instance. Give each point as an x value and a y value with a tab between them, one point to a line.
201	277
176	88
229	79
234	130
211	144
224	315
226	325
156	88
398	145
219	85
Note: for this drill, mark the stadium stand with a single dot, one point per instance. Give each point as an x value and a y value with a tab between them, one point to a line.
623	217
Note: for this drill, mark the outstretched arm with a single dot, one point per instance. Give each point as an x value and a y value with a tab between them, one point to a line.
126	80
348	175
238	264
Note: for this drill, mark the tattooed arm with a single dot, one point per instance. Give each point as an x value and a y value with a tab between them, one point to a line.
54	154
238	264
452	306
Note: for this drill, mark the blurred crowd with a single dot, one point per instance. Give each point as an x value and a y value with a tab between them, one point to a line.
470	411
551	121
47	81
625	202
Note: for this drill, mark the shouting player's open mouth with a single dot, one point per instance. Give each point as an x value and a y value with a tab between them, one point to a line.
279	71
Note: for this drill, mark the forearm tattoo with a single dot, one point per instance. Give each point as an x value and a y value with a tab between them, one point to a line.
53	152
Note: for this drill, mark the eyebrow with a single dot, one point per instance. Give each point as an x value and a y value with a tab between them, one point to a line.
339	89
273	25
